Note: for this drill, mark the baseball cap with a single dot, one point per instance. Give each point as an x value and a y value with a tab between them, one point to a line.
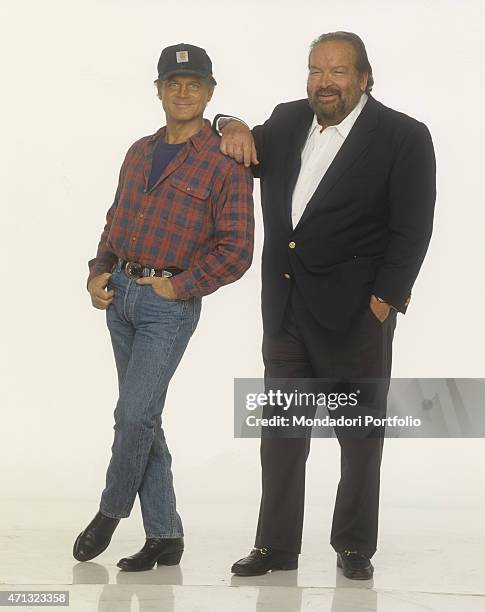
184	59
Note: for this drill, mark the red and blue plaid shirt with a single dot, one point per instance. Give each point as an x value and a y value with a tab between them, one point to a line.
198	216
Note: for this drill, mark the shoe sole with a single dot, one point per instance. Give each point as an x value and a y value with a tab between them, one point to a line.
291	565
164	559
353	575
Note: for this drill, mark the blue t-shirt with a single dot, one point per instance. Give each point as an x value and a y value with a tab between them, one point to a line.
162	156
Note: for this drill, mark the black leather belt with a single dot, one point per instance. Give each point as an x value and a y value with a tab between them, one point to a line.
134	269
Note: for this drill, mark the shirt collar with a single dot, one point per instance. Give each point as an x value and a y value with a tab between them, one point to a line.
346	124
198	139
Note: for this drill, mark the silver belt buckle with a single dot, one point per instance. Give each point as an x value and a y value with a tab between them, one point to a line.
164	273
131	268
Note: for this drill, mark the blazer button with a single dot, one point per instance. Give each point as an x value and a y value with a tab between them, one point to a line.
292	244
286	275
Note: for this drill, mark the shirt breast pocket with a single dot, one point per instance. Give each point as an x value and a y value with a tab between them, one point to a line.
189	205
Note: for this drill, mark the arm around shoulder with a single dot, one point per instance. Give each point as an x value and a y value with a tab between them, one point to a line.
242	144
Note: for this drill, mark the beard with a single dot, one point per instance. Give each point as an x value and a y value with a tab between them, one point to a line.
333	111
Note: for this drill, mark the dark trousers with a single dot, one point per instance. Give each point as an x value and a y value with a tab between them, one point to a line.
302	348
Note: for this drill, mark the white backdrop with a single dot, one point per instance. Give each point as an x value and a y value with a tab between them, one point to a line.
76	92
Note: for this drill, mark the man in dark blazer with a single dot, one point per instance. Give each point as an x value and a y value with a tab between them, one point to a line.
348	193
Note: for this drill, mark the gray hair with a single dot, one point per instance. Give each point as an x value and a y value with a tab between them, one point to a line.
362	63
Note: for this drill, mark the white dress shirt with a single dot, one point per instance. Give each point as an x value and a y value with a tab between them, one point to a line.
319	151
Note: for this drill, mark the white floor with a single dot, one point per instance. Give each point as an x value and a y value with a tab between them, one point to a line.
427	560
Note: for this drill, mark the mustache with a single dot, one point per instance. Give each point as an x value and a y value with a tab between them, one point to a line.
327	91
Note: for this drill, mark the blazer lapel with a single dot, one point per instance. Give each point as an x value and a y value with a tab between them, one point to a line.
354	145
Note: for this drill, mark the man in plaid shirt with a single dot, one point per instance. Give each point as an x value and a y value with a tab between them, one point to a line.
181	226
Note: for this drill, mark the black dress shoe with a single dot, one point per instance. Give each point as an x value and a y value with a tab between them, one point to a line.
355	565
163	551
95	538
261	560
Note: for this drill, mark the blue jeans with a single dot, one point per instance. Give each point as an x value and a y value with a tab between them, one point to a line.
149	335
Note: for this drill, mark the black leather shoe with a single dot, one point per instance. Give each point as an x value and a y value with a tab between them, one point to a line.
355	565
95	538
261	560
163	551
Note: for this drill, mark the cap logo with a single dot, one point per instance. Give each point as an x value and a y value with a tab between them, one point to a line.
182	56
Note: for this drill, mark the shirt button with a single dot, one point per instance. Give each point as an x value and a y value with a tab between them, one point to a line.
292	244
188	188
286	275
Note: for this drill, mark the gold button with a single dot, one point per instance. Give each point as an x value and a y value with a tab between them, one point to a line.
286	275
292	245
133	238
